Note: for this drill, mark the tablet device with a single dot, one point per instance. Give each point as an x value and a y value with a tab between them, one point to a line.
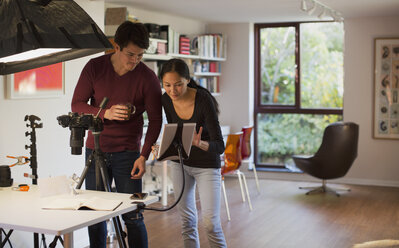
174	133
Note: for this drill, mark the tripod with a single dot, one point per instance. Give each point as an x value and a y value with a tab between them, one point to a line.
102	177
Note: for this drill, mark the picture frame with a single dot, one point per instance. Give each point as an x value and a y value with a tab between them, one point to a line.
386	88
42	82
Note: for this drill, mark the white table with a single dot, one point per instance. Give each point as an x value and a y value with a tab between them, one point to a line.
22	211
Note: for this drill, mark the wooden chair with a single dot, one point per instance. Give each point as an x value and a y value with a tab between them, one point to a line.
232	163
246	151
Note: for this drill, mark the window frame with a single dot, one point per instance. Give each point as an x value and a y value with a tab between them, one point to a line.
281	109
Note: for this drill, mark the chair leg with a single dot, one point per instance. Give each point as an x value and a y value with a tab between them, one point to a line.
246	189
225	201
256	177
324	189
242	190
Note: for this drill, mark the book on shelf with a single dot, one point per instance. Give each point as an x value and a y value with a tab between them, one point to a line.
93	203
211	45
184	45
167	33
206	66
210	83
184	39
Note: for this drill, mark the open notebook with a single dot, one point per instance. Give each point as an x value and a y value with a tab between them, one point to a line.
93	203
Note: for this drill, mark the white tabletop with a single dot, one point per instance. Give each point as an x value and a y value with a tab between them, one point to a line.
22	211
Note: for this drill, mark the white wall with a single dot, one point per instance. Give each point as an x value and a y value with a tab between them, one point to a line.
236	85
376	162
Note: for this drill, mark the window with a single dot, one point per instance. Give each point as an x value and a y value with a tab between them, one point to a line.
299	88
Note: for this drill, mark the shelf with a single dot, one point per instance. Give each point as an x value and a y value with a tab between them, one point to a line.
207	74
177	55
149	56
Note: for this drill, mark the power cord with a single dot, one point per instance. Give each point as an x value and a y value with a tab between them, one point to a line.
142	206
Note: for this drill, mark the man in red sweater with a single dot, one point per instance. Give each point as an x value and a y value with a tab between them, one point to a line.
123	79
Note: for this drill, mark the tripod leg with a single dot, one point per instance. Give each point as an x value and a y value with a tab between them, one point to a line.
84	173
115	220
118	231
44	241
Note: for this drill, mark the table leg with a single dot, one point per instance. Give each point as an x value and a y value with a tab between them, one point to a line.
164	194
68	240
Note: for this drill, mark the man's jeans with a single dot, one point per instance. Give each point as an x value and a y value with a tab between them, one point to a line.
118	166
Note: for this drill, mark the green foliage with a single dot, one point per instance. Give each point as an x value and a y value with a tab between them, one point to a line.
278	65
322	65
283	135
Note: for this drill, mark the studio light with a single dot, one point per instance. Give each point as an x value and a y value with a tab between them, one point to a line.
36	33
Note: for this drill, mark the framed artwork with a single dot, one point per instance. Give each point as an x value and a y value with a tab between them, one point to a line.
386	88
42	82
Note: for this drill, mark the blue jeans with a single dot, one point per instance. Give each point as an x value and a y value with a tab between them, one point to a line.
118	166
208	183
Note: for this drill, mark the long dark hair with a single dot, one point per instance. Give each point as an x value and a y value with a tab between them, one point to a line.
181	68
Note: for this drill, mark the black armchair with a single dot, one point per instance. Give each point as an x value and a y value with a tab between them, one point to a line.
334	157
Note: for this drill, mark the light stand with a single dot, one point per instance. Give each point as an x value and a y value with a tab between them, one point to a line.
33	161
33	165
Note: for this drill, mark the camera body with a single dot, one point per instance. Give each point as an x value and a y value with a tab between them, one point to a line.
78	124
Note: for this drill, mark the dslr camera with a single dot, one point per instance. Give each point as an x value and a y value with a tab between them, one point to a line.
78	124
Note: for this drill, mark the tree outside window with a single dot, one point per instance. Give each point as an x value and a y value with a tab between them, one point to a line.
299	88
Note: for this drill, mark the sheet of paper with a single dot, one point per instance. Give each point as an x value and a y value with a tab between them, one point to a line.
54	186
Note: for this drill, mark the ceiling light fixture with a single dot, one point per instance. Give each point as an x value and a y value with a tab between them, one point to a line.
304	5
57	30
325	10
322	14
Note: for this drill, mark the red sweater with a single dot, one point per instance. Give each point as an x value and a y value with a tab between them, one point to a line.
140	87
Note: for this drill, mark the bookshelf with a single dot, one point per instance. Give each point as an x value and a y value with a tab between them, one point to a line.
203	53
206	70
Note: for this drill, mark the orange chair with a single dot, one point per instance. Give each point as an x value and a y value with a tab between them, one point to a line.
246	151
232	163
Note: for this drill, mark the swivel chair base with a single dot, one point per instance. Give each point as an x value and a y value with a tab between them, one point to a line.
324	189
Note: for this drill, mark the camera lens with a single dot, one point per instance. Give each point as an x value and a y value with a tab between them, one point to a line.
76	150
76	141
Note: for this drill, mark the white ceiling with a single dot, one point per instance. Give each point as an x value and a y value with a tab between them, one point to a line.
243	11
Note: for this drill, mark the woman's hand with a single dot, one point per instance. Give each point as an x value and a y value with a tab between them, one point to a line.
197	138
203	145
154	151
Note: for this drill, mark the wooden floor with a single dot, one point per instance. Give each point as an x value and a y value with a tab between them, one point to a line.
283	217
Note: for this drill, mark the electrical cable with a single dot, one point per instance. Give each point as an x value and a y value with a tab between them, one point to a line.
141	205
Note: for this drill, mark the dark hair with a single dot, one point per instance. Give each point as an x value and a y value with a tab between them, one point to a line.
181	68
134	32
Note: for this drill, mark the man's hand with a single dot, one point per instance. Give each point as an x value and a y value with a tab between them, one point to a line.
116	112
139	164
